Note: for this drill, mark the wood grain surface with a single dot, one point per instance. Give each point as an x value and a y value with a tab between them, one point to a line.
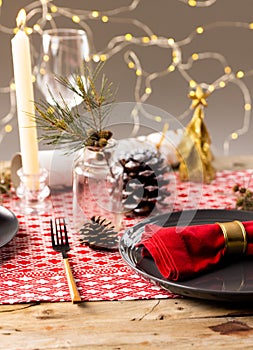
153	324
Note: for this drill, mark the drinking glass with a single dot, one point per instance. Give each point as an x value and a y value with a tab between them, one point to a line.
63	54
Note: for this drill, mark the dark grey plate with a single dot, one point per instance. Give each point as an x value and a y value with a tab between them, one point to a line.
231	281
8	226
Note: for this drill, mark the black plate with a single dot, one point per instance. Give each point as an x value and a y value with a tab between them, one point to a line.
8	226
232	282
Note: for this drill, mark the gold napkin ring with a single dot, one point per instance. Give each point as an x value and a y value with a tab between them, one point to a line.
235	237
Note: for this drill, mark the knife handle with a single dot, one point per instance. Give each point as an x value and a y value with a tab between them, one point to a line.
74	293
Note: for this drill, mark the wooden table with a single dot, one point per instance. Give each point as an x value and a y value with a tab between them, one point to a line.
148	324
153	324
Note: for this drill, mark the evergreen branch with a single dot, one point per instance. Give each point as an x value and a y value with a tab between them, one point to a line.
62	125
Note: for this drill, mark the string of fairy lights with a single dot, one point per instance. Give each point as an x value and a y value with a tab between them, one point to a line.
46	14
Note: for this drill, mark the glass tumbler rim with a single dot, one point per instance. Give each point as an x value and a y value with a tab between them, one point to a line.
67	33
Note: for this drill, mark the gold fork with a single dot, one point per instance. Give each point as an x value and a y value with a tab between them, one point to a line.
60	244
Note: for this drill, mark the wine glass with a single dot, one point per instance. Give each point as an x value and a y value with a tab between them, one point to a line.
62	55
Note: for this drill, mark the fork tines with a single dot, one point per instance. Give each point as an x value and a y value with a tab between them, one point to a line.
60	232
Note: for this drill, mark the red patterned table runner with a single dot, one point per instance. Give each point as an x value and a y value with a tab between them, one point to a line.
31	271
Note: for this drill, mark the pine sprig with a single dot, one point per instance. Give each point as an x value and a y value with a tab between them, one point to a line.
84	124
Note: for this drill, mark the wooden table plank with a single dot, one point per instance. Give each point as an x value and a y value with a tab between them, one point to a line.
152	324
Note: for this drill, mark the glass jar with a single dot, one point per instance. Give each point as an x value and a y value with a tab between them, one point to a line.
97	186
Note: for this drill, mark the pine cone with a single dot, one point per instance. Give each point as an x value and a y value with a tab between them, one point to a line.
99	233
144	183
97	139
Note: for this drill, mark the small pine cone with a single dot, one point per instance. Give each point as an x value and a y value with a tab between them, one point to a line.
102	142
97	139
105	134
144	182
99	233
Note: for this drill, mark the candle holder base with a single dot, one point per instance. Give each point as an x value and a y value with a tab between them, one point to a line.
33	192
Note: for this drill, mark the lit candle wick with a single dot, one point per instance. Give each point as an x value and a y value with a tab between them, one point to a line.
21	19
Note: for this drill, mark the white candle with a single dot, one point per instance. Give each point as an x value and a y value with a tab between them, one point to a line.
25	98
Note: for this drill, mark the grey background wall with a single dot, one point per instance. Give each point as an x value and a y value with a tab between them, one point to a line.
171	18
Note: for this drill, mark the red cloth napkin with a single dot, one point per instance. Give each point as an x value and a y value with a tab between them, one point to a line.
183	252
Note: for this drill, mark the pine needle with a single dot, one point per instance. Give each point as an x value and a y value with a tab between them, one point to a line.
84	124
